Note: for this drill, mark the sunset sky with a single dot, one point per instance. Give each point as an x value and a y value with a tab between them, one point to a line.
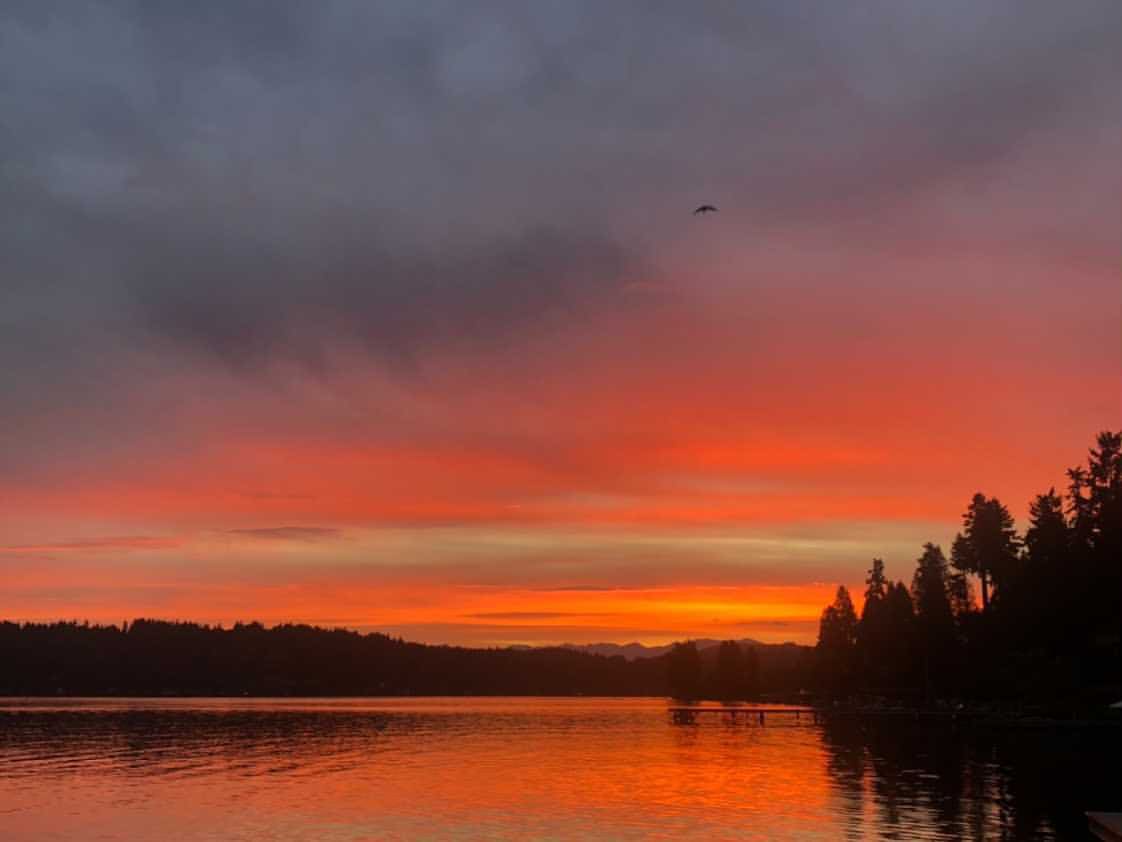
395	315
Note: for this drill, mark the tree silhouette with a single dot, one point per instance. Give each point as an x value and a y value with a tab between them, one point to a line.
935	627
1047	593
899	636
987	546
1095	495
1095	509
876	583
684	670
929	588
730	678
1049	624
872	629
752	677
837	640
959	590
1048	539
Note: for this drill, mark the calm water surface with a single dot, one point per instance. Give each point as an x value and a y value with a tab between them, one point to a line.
529	768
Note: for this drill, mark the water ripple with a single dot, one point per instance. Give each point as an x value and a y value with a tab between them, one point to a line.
526	768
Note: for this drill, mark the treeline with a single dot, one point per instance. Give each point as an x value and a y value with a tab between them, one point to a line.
152	658
155	657
159	658
735	671
1048	622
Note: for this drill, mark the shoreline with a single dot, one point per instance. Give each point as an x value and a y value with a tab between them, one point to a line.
965	715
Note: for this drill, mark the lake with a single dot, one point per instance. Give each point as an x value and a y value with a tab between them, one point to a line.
517	768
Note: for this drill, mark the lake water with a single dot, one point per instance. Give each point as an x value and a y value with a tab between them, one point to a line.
359	769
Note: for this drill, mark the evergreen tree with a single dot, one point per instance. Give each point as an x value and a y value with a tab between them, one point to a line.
1095	496
752	678
1048	539
837	640
1095	506
961	595
987	547
929	587
935	627
876	583
871	629
684	670
730	683
1046	590
899	635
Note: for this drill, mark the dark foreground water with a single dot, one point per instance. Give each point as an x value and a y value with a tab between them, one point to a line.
529	769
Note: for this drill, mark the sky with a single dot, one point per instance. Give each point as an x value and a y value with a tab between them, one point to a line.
395	315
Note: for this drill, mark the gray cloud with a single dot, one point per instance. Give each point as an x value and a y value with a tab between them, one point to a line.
261	182
256	303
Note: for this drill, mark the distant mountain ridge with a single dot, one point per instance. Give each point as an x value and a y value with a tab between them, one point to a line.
635	651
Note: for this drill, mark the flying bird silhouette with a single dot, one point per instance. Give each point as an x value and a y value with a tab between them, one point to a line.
704	209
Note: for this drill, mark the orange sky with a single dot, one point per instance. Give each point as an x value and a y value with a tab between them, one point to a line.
717	484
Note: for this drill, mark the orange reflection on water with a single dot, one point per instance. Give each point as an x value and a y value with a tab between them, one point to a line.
351	769
506	768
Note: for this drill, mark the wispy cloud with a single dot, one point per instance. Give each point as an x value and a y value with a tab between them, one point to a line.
533	615
125	542
289	533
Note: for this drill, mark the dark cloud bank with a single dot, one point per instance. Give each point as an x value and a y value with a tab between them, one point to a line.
242	183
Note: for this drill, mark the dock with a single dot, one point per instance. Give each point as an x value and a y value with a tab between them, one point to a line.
687	713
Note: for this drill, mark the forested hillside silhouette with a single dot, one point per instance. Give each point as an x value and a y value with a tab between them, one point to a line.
155	657
151	657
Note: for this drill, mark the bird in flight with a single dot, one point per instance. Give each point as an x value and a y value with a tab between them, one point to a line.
704	209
